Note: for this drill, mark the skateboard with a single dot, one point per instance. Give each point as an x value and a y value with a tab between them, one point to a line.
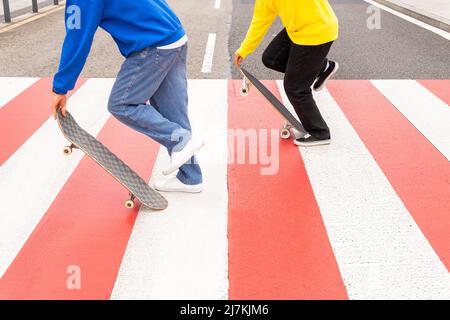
292	126
137	187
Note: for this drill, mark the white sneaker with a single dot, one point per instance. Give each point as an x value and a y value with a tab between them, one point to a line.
181	157
175	185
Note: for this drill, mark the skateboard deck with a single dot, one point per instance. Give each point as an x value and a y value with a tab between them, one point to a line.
137	187
277	104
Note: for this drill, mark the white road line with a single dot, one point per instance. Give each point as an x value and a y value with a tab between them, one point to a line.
429	114
421	24
209	53
217	4
11	87
182	253
381	252
36	172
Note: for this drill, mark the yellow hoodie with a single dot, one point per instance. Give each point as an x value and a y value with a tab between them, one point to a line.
308	22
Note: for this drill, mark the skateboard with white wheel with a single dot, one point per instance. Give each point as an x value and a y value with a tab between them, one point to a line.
136	186
288	131
292	125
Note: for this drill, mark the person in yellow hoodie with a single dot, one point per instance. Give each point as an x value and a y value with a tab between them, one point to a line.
300	52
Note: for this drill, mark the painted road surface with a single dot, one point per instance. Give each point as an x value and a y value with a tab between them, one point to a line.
366	217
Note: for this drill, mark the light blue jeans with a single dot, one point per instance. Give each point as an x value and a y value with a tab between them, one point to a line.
150	95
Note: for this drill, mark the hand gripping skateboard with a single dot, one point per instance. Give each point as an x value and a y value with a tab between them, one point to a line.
291	121
137	187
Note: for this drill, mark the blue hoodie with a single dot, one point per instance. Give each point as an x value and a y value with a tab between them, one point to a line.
133	24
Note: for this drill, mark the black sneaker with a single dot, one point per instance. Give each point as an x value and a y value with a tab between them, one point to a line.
310	141
324	76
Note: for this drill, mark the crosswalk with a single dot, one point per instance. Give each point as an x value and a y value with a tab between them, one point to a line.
367	217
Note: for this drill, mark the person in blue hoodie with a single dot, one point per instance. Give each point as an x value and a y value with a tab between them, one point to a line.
150	92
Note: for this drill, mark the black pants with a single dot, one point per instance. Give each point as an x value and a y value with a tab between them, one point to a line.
301	66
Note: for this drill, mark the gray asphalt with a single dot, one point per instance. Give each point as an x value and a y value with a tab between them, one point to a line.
399	50
33	50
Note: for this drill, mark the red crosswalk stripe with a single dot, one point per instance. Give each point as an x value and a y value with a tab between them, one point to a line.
278	245
440	88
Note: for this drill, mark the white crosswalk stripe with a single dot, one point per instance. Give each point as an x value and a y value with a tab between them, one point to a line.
11	87
429	114
186	258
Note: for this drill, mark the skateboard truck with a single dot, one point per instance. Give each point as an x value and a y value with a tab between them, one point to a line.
68	149
245	89
288	130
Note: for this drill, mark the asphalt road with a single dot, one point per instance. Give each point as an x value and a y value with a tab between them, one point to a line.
33	50
398	50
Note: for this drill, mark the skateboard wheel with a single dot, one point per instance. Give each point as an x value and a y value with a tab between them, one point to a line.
67	151
129	204
244	91
245	87
285	134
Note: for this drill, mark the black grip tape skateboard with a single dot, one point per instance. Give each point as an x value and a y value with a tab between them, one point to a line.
137	187
291	121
